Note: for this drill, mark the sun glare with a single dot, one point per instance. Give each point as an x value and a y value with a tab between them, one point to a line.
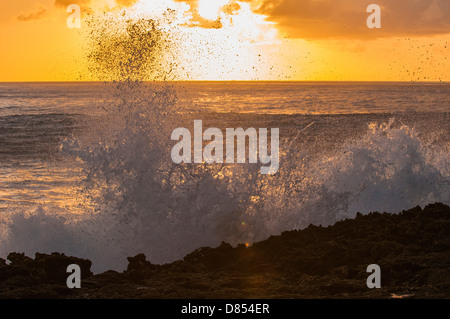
214	39
210	9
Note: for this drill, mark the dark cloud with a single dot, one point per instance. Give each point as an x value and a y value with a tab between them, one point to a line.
347	18
34	15
314	19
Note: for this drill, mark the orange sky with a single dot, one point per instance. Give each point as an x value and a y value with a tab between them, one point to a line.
245	40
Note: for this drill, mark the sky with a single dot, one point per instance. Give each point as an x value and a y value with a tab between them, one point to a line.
305	40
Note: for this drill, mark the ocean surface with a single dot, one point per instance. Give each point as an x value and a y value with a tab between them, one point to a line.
85	168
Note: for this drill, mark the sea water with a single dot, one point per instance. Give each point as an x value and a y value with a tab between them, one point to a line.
86	169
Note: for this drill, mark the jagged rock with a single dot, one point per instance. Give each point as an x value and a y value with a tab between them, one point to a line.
24	271
213	258
139	269
55	265
412	248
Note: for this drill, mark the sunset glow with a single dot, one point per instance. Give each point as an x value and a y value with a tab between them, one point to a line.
210	9
238	40
224	149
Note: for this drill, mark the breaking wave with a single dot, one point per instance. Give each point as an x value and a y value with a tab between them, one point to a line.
143	203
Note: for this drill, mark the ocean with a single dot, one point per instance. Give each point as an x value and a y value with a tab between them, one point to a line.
85	168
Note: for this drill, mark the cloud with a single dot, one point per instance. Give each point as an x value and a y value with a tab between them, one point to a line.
84	4
34	15
316	19
197	20
126	3
347	18
92	5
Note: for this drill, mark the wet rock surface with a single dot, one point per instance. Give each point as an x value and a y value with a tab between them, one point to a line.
412	248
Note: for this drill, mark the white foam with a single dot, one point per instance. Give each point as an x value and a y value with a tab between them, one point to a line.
146	204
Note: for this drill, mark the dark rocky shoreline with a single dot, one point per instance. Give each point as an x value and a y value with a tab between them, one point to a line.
412	248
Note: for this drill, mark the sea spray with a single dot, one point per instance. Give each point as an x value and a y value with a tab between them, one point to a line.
147	204
144	203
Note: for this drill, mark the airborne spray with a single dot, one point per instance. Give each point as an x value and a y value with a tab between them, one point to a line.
141	202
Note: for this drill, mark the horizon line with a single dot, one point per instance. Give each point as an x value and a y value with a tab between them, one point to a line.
241	81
